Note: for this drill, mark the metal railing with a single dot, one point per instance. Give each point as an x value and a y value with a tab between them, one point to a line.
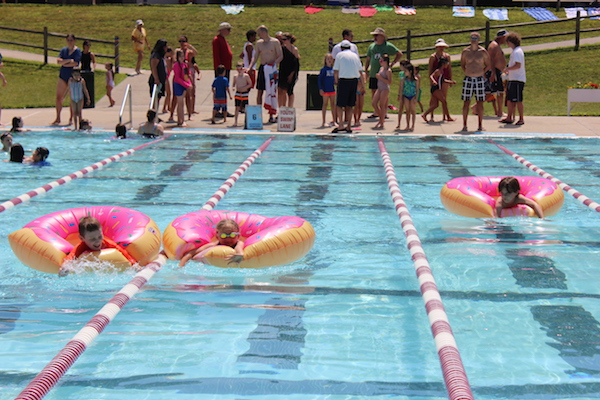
126	97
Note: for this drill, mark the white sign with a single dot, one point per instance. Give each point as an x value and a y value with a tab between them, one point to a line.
286	121
254	117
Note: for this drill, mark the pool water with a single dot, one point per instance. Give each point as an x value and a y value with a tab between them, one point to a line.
345	322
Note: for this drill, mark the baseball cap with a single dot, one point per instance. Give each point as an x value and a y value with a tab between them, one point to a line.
345	44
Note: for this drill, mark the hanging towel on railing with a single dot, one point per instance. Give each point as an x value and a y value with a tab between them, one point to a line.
496	14
540	13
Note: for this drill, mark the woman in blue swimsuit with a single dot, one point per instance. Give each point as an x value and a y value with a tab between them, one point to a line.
68	58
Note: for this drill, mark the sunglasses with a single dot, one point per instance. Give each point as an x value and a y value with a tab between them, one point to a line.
230	235
183	41
474	37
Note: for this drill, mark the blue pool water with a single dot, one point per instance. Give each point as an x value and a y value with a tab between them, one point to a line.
345	322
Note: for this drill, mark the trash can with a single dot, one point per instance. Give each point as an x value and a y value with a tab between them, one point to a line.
88	76
314	101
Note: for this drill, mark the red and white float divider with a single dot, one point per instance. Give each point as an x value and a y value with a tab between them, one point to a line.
43	189
212	202
51	374
455	377
576	194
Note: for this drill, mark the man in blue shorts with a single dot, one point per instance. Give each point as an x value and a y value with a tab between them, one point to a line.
474	62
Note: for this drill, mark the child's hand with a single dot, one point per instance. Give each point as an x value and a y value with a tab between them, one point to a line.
234	258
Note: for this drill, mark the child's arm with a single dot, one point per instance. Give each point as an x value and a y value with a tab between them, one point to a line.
238	254
5	82
533	204
387	78
418	83
498	208
400	89
433	77
193	253
229	93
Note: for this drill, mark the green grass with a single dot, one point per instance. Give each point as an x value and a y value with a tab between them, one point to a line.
548	73
32	84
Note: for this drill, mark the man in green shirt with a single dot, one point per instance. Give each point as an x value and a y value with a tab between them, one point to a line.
379	47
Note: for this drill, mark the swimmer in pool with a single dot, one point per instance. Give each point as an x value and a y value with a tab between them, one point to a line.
509	197
228	233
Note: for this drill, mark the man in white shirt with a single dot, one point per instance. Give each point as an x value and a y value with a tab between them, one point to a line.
516	79
346	69
346	35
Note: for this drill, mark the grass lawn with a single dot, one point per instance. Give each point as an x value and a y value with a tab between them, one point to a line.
548	73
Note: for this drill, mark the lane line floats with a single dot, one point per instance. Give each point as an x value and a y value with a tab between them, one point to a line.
475	196
43	243
267	241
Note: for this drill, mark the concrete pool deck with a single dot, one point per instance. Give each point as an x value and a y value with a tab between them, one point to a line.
307	121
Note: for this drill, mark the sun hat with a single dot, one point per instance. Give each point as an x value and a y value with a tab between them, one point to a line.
441	43
345	44
224	25
502	32
139	22
379	31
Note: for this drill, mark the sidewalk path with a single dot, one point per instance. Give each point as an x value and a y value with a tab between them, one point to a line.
307	122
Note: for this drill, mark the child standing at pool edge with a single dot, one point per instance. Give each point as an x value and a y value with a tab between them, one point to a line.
509	189
79	92
227	234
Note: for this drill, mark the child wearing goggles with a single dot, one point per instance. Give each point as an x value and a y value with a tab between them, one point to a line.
227	234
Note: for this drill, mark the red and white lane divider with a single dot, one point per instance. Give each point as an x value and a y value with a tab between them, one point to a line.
51	374
212	202
44	189
453	370
577	195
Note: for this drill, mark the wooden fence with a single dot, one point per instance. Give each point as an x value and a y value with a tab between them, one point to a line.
44	46
409	37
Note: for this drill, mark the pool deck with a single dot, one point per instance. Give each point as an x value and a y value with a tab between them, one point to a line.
307	121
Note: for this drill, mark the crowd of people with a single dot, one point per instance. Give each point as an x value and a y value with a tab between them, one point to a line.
271	65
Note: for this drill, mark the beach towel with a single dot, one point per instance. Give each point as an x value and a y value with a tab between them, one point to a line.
463	11
367	11
383	7
540	13
496	14
572	12
593	12
405	10
233	8
312	10
350	10
271	78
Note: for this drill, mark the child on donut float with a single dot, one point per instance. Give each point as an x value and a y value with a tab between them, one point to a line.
92	239
509	197
227	234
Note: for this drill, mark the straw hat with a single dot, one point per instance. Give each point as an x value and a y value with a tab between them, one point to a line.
224	25
379	31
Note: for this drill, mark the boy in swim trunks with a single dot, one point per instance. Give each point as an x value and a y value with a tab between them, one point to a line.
227	234
242	84
509	197
92	239
220	89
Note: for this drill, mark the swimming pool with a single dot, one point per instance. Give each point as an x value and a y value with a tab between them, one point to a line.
345	322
